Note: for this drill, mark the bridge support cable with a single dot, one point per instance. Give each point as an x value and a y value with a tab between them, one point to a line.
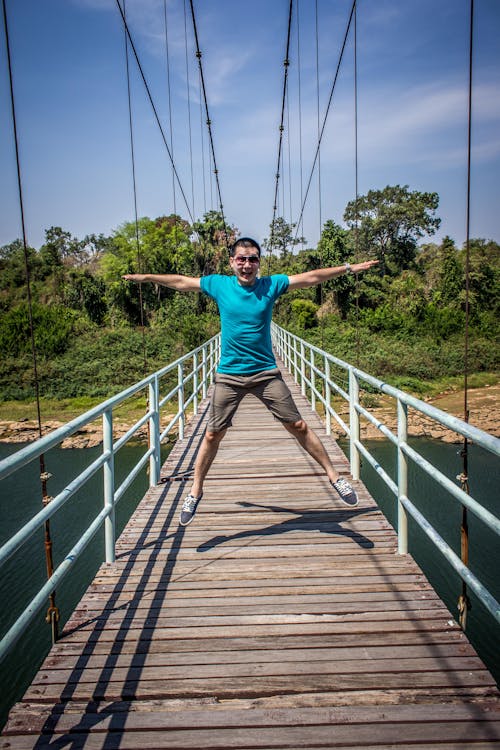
134	188
463	601
155	111
188	97
169	93
286	64
330	98
299	93
320	217
356	181
317	116
52	615
209	122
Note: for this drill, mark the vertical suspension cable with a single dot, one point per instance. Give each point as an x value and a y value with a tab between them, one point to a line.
134	187
202	138
289	158
52	615
286	64
325	118
317	116
188	93
463	601
320	244
300	123
169	92
209	124
356	183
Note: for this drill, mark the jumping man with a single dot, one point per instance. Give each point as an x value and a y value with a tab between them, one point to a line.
247	363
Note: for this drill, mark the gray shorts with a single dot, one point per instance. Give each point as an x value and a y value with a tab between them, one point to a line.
268	386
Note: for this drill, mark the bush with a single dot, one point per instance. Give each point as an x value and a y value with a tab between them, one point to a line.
52	330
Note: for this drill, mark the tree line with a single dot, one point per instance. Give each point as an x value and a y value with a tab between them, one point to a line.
84	315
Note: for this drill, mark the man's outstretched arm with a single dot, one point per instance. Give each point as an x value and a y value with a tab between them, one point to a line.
313	278
172	280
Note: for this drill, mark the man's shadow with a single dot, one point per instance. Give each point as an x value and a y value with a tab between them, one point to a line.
327	522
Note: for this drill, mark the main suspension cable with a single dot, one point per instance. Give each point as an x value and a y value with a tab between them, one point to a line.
209	121
155	112
326	115
52	615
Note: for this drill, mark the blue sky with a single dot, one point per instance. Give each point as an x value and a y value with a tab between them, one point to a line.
71	100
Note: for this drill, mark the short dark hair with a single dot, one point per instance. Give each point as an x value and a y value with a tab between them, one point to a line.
246	242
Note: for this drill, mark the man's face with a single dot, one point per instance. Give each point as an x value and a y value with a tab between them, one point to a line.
245	265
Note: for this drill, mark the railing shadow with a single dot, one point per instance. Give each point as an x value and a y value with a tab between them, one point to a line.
77	736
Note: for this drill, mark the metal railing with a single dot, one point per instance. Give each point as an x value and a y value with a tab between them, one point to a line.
192	375
311	368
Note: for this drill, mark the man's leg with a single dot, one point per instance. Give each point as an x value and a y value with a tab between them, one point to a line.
313	445
206	454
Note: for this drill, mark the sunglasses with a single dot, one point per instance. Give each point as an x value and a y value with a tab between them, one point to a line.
244	258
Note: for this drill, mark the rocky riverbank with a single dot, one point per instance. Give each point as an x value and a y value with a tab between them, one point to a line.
484	412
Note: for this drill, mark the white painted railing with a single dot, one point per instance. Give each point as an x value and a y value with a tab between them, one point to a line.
311	368
193	373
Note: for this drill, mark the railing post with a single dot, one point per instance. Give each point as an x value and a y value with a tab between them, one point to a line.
354	423
154	432
402	477
302	369
204	373
313	381
195	383
295	368
109	485
328	395
211	362
180	394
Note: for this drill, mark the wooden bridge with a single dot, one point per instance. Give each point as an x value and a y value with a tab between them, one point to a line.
278	619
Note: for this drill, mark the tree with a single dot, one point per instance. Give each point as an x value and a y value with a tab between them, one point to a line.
451	282
390	221
281	237
211	249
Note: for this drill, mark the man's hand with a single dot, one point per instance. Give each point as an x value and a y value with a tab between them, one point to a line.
139	277
357	267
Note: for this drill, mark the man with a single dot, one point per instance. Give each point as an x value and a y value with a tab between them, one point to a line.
247	363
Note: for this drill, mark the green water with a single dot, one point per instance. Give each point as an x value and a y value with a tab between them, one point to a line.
445	514
24	573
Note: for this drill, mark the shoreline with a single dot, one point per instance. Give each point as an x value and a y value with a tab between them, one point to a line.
483	403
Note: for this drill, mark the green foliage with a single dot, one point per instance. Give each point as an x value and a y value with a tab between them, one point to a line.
304	313
52	329
407	324
389	222
281	238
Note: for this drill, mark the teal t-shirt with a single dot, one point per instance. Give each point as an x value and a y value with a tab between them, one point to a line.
245	314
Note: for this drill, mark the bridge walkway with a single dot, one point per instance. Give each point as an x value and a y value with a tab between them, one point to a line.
278	619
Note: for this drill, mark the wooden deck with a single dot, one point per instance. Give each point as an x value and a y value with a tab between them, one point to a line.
278	619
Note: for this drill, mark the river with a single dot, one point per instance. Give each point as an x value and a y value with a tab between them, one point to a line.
24	573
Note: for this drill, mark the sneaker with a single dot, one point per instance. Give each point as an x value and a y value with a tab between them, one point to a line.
189	509
345	491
